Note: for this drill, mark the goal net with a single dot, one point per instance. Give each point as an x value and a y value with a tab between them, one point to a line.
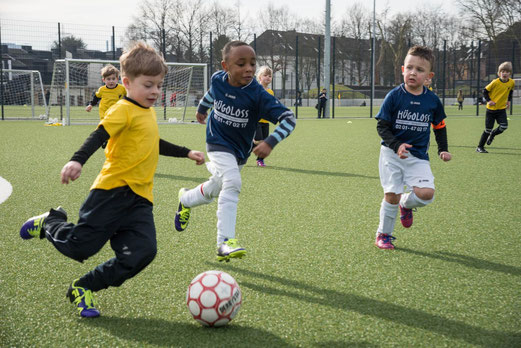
74	81
23	95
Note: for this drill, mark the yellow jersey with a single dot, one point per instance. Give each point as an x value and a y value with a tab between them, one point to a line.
132	151
109	97
270	91
498	92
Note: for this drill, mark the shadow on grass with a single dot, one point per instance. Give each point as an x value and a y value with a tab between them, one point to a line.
319	172
179	177
380	309
163	333
492	147
468	261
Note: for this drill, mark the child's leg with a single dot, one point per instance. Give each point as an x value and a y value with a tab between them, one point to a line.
388	213
98	218
205	192
227	203
502	121
418	197
134	245
489	124
391	179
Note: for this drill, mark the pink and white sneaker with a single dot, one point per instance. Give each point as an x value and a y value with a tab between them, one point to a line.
405	217
260	163
384	241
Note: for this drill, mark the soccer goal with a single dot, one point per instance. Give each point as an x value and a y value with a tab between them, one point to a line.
23	94
74	81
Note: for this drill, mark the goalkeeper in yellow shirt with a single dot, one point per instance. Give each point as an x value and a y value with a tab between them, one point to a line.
109	93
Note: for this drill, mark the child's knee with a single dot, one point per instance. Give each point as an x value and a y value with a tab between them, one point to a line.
232	182
425	196
392	198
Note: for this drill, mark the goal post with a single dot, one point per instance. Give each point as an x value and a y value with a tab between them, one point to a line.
23	93
74	81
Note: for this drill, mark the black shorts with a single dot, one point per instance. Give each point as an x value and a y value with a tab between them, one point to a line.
499	116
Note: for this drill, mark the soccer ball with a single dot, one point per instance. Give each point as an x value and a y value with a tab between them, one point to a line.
213	298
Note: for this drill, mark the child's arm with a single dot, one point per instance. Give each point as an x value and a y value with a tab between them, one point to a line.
440	133
487	97
282	131
72	169
168	149
93	102
205	104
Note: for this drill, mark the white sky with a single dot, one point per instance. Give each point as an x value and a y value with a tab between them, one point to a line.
98	12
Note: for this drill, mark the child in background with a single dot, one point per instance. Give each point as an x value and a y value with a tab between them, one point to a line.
322	100
460	99
498	95
238	102
428	83
264	76
119	206
404	126
110	93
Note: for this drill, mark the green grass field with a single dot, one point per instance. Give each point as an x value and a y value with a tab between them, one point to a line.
312	276
79	115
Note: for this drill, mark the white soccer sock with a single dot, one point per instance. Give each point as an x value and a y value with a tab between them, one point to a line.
194	197
388	213
226	216
410	200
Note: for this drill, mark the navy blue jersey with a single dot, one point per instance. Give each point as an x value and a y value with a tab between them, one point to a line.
236	111
411	117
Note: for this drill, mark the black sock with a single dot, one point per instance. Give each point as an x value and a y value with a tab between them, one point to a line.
483	139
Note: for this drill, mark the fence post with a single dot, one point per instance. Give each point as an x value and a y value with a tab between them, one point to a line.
372	75
333	95
113	44
1	74
471	66
210	71
255	43
479	77
163	50
318	74
297	89
59	57
513	67
444	69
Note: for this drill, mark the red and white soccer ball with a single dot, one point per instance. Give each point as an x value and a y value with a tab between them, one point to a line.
213	298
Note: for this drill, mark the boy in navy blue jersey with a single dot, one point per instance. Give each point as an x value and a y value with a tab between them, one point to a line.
238	102
404	125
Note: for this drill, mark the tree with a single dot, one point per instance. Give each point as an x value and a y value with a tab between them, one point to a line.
156	17
69	44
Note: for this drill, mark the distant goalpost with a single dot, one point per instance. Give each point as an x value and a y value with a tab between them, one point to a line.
74	81
23	93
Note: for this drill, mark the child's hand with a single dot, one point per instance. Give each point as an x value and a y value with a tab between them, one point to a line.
71	171
88	108
508	104
445	156
262	150
402	150
196	156
491	103
201	118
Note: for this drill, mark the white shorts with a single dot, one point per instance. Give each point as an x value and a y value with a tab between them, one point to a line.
395	173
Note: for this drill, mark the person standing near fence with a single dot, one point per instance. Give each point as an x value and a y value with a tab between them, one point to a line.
322	100
460	99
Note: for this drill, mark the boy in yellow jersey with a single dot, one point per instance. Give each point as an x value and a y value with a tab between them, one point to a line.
110	93
264	75
119	206
498	95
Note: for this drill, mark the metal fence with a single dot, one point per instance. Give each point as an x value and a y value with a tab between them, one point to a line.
297	60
